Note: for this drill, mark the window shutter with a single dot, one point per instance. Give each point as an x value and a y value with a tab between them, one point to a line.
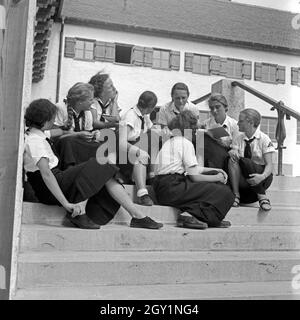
188	61
223	67
280	74
110	49
295	76
258	71
99	51
247	70
175	60
70	47
137	57
148	57
215	65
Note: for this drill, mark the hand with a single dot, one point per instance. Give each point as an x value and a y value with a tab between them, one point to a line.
74	208
234	155
221	178
224	175
86	135
255	179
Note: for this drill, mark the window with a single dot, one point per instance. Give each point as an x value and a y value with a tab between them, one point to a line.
295	76
123	54
269	73
298	132
161	59
215	65
268	126
84	49
234	68
201	64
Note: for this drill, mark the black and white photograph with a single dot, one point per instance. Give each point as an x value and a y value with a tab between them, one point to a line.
149	153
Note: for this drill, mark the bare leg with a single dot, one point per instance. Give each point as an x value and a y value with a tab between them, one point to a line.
118	193
139	177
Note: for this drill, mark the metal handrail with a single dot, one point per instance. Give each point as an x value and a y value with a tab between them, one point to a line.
201	99
282	111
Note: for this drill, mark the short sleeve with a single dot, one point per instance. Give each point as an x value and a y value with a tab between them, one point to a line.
129	118
267	145
39	149
189	157
61	116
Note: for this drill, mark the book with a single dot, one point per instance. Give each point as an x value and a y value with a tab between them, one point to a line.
218	132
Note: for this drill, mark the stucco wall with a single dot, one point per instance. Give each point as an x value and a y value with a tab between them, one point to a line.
131	81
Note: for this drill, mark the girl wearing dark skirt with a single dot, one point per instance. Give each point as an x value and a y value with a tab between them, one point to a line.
88	191
250	165
200	193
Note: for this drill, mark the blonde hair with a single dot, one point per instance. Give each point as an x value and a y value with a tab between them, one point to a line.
219	98
253	116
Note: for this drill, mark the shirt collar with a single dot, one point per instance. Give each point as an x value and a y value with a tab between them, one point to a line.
137	111
102	104
37	132
256	134
174	109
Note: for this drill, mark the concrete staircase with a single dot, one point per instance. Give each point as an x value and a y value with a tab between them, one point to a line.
251	260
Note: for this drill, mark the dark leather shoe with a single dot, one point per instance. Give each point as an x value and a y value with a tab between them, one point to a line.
83	222
145	200
146	223
223	224
190	222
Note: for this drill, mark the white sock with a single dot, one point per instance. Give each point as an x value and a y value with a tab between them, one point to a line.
142	192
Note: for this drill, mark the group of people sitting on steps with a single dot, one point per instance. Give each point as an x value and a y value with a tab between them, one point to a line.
80	153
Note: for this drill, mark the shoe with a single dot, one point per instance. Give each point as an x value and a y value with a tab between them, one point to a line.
145	200
83	222
265	204
236	202
146	223
223	224
190	222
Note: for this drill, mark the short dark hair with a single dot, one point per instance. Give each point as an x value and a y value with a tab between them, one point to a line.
252	115
180	86
147	99
97	81
185	120
39	112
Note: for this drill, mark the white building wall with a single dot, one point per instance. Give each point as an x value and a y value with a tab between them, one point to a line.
131	81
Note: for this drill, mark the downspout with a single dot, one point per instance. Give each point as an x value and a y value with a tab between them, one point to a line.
61	39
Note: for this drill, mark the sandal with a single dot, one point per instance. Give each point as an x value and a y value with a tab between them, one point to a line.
265	204
236	202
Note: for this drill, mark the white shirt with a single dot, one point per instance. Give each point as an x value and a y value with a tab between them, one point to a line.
61	118
229	124
168	112
35	148
176	156
132	119
112	108
261	145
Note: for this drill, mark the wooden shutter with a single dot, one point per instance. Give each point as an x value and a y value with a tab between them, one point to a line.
223	67
258	71
137	57
99	51
70	47
110	49
175	60
215	65
188	61
280	75
246	69
295	76
148	57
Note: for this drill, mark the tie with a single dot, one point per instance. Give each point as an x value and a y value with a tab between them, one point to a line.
143	122
247	151
76	121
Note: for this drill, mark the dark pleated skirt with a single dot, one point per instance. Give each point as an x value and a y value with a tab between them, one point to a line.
78	183
209	202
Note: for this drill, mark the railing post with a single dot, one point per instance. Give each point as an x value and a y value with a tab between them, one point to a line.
280	137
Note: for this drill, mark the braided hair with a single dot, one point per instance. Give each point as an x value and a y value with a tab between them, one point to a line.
79	92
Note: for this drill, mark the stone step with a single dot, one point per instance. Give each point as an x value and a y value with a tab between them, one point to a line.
279	215
272	290
285	183
122	238
67	268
